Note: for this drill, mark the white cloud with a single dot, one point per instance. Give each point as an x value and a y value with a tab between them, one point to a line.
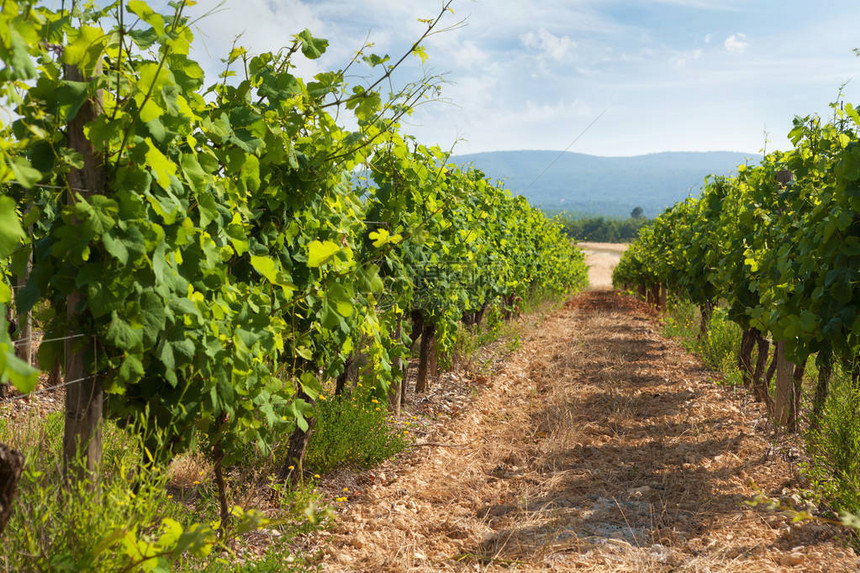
681	60
262	26
737	43
717	5
658	75
463	53
556	47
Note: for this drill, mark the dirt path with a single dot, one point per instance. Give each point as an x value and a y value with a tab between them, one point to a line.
599	445
601	259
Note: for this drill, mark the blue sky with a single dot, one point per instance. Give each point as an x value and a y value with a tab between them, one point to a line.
672	75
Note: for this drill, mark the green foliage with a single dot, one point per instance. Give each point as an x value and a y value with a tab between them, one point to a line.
719	349
352	431
601	229
834	448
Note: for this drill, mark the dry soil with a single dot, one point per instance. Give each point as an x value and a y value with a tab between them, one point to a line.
596	445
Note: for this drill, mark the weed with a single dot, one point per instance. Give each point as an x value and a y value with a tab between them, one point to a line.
512	344
130	520
352	431
719	350
834	449
57	526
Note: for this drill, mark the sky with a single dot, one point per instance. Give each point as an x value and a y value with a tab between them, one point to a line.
646	75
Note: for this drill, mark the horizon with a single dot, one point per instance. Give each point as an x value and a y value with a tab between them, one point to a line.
590	185
561	152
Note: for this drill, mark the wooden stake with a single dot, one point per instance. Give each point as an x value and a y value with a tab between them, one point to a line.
84	399
783	411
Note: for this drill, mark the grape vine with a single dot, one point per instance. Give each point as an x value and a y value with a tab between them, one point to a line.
214	245
779	244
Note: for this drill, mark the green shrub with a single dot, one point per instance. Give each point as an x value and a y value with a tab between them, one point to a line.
681	321
719	350
56	526
834	449
352	430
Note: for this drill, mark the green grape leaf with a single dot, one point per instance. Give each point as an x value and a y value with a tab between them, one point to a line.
194	173
131	370
22	376
25	175
115	247
11	232
123	335
162	167
297	409
20	65
148	15
312	48
319	252
86	49
311	385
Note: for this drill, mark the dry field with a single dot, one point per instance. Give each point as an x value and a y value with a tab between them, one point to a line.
597	445
601	259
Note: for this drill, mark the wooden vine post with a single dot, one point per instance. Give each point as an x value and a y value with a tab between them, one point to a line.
427	357
784	410
82	438
24	348
664	298
706	310
293	468
783	400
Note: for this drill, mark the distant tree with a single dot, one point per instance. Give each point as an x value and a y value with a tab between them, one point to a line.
600	229
637	213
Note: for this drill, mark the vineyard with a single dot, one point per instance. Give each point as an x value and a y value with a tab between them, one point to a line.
250	323
771	256
207	266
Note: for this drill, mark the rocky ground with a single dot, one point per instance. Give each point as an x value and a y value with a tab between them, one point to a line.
597	445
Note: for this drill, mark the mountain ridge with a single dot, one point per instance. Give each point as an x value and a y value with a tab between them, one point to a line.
605	185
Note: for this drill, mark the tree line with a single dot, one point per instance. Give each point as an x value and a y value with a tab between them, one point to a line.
599	229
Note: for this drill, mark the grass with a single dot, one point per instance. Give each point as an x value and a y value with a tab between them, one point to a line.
120	522
352	431
55	527
834	448
718	350
470	339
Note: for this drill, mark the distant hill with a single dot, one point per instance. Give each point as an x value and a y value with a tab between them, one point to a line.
611	186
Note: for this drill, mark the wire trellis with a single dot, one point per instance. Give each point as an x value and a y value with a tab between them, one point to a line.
57	386
46	390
